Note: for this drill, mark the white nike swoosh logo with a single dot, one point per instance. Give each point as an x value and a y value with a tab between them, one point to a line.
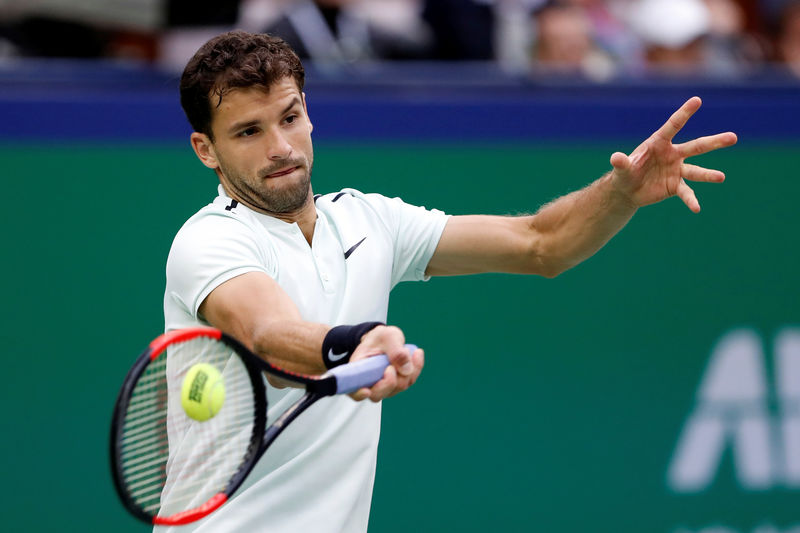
335	356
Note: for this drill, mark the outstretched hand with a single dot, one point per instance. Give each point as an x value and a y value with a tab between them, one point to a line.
656	170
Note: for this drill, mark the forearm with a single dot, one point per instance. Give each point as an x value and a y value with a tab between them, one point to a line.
294	345
299	346
572	228
559	236
256	311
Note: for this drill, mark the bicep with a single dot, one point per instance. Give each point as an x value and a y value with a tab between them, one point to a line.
254	309
476	244
241	305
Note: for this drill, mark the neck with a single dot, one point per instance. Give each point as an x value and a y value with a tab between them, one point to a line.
305	216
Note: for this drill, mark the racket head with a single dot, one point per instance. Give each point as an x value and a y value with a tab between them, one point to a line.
168	468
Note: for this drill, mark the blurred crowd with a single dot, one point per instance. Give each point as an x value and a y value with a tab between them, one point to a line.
595	39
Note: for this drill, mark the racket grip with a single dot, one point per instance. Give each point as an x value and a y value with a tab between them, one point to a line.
363	373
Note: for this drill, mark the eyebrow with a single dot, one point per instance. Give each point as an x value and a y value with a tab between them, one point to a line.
295	101
239	126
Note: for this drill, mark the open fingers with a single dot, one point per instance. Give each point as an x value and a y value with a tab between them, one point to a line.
686	194
695	173
679	118
706	144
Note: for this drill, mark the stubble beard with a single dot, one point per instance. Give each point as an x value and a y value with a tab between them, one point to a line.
286	199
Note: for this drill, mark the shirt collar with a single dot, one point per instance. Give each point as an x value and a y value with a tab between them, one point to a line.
267	221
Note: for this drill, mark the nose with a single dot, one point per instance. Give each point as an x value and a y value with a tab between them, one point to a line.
278	147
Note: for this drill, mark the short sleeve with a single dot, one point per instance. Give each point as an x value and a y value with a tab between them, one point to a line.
416	232
208	252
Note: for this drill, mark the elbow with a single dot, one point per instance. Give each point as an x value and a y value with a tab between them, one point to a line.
551	272
261	346
540	266
542	261
259	338
553	269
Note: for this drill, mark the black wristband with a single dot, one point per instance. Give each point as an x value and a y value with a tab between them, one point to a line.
341	342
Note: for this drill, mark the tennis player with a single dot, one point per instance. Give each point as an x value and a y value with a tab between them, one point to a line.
304	280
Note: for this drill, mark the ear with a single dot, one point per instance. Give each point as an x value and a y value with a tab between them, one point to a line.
204	149
305	109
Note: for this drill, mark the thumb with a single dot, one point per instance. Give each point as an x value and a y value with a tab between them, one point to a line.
620	161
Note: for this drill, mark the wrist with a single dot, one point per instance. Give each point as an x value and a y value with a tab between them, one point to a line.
617	192
341	341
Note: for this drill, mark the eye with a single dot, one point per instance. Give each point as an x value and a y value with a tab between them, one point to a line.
249	132
291	119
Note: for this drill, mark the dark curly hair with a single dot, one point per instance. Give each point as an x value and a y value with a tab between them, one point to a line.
236	59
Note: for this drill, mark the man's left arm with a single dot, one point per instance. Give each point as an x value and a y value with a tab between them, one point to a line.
572	228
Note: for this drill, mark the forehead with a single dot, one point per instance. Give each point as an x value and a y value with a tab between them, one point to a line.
243	100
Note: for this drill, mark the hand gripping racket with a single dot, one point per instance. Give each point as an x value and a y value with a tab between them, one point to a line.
170	469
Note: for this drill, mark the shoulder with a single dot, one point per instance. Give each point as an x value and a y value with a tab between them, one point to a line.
355	201
351	208
390	210
214	220
216	232
346	197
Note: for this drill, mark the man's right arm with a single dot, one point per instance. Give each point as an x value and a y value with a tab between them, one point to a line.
254	309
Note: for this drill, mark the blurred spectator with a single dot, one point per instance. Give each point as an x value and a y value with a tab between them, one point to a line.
462	29
673	34
730	48
41	36
513	35
86	29
201	13
565	43
706	37
189	24
482	30
788	42
7	48
609	21
339	31
595	39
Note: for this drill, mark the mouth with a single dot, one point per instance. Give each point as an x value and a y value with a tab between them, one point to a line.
283	172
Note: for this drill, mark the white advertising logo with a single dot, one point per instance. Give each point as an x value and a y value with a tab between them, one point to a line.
738	407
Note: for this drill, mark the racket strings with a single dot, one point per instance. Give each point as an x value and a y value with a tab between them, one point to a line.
169	462
150	453
141	424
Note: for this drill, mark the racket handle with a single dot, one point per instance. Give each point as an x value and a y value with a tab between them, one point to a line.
363	373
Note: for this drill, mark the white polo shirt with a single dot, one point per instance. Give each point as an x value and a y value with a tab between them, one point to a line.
318	475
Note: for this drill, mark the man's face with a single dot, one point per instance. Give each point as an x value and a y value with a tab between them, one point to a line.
262	147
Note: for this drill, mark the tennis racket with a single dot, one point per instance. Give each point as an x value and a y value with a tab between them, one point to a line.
170	469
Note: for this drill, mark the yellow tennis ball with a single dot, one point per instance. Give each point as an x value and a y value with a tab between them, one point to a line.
203	392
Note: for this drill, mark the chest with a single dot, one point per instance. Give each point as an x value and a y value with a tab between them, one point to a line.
343	276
